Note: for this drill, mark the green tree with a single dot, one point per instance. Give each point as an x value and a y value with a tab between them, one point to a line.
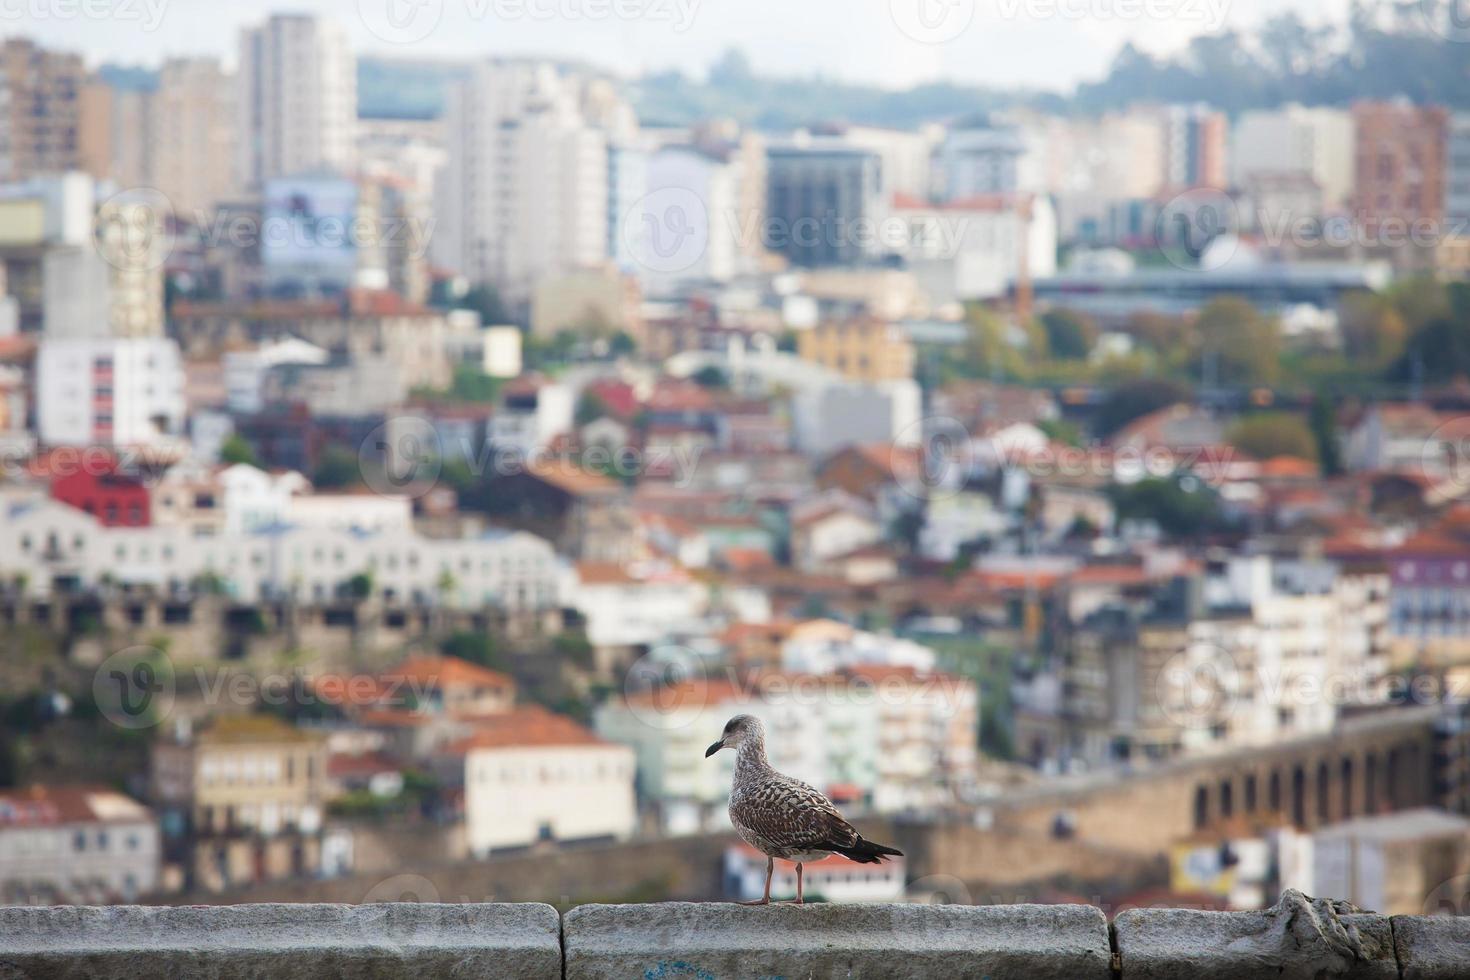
1070	335
1266	435
338	467
1182	506
1373	330
590	408
236	450
1136	399
476	646
711	377
1159	331
1440	349
1244	347
360	586
1323	421
485	300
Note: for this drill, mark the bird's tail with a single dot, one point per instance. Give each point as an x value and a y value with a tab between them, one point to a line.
866	852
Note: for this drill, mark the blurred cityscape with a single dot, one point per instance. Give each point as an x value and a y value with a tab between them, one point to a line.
407	466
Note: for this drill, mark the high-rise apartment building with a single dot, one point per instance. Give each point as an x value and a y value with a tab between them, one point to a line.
525	194
1296	141
297	91
823	197
1400	158
1194	139
195	129
41	96
1457	180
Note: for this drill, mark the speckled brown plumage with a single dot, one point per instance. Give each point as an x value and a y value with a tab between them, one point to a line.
784	817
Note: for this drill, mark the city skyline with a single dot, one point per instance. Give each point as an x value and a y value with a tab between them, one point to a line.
1049	45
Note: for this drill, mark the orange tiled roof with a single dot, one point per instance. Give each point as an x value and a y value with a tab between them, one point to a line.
526	726
430	672
574	480
1288	467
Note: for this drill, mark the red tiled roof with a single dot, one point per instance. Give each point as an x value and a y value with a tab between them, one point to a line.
38	805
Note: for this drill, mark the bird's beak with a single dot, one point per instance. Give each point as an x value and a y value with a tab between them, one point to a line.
714	748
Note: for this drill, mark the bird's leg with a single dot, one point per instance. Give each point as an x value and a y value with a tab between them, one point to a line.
799	900
770	870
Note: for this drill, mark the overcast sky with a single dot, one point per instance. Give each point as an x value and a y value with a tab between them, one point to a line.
1038	43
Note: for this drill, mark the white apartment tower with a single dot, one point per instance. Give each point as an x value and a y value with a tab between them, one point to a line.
109	391
1294	140
297	99
524	196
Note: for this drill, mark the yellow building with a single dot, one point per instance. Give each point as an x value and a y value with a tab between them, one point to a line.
861	349
244	773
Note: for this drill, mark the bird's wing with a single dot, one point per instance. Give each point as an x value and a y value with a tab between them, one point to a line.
788	813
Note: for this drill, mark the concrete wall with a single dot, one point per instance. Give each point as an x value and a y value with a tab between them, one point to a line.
1300	939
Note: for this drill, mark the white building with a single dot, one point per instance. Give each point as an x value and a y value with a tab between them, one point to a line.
50	543
977	248
982	159
1294	643
828	525
501	352
635	605
103	293
245	370
824	647
80	845
713	179
531	776
1295	140
297	99
109	392
531	416
525	193
831	416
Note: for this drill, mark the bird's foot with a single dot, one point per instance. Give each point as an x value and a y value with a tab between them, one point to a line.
759	901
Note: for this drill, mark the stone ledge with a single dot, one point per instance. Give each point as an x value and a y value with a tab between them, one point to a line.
1433	948
1065	942
1300	939
280	941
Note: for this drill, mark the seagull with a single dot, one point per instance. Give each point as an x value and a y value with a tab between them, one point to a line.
783	817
